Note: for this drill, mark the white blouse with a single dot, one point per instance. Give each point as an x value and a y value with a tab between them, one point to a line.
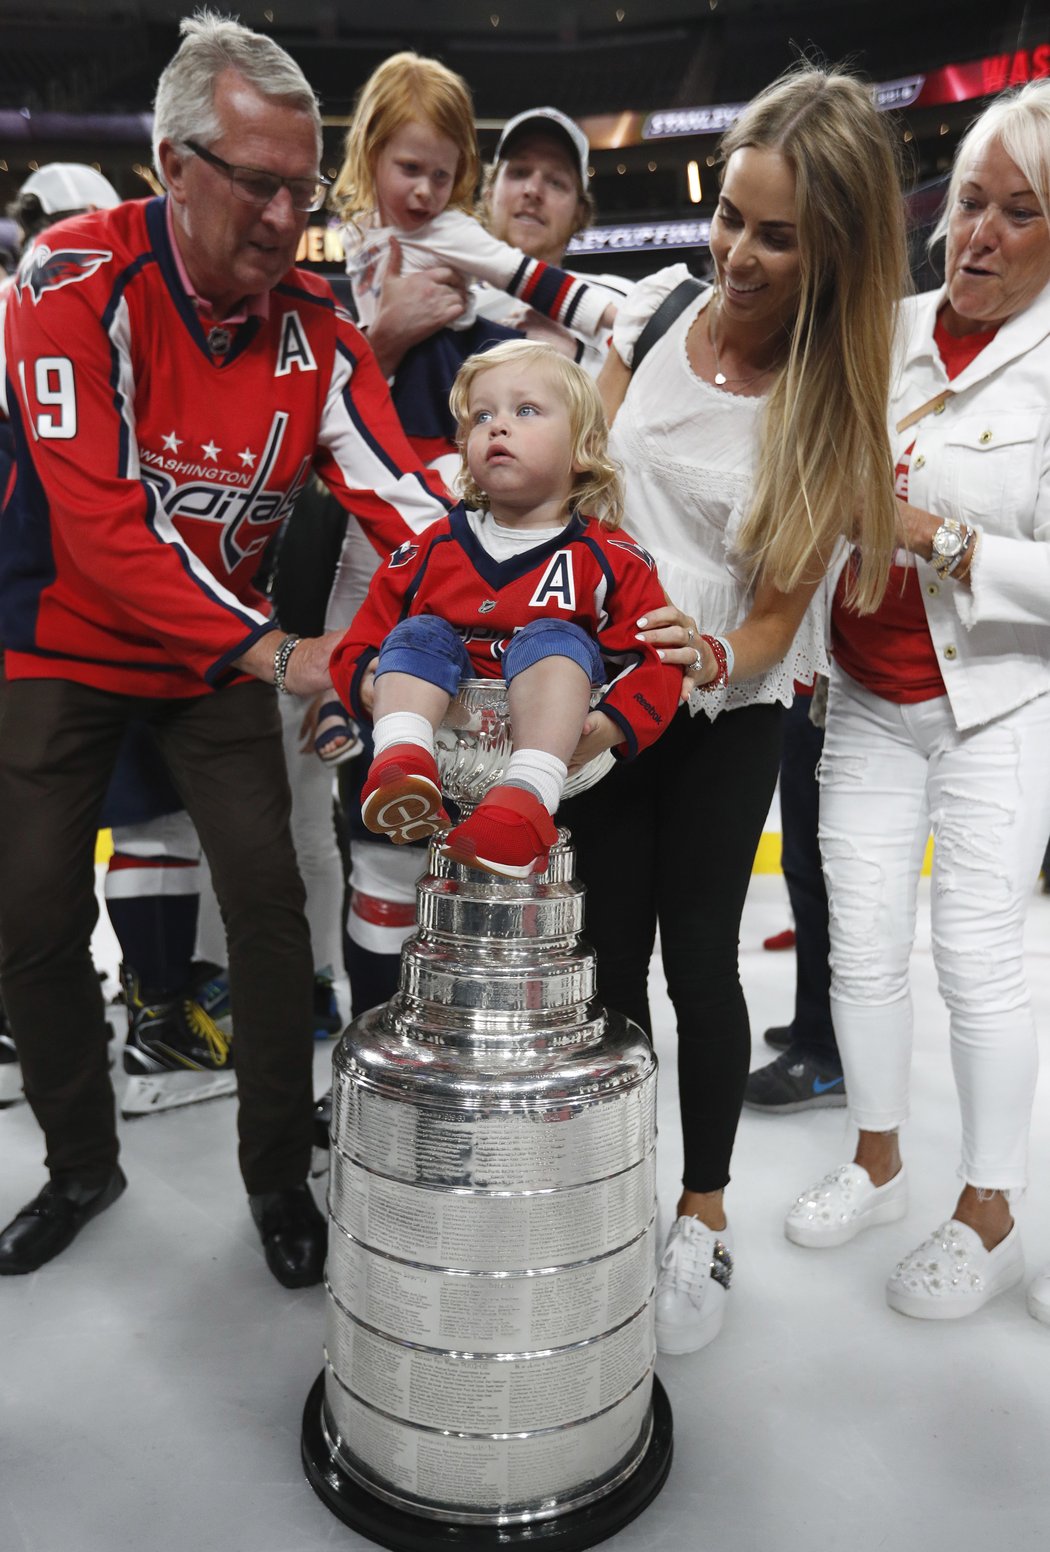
688	453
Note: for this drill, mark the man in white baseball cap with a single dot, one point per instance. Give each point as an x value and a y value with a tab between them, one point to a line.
535	196
553	123
535	193
60	189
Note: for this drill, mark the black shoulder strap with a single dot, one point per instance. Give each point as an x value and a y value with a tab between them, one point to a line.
669	309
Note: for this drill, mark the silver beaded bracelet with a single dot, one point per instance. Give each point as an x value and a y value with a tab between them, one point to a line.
280	663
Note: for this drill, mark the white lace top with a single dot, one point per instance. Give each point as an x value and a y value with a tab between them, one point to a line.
688	452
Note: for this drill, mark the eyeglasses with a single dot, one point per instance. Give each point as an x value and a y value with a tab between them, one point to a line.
256	187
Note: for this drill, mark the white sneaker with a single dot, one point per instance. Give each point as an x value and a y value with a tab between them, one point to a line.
1039	1296
843	1203
951	1274
691	1286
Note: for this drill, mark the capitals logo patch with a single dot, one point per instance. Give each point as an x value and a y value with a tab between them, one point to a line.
401	557
43	270
634	549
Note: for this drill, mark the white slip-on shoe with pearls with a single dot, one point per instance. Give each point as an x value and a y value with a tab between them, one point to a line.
951	1274
844	1202
1039	1296
692	1282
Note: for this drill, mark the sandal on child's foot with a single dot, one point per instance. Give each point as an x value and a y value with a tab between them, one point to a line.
337	737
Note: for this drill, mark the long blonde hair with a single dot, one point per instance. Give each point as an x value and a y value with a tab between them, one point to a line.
405	89
597	490
825	467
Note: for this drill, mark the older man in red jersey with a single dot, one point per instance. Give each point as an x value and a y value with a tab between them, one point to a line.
173	380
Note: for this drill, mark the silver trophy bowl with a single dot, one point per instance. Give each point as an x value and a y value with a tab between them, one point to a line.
489	1342
475	742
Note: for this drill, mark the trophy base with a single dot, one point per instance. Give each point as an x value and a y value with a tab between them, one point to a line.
402	1531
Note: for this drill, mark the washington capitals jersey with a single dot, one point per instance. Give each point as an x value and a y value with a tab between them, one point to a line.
595	577
151	471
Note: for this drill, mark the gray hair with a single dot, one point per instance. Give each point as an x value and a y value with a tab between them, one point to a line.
1019	121
184	105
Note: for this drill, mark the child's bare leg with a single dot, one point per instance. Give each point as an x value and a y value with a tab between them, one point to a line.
548	705
396	692
511	831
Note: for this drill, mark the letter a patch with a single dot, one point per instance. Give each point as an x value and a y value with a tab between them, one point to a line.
557	584
294	349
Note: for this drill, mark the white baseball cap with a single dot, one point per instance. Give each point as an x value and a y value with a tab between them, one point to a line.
545	119
70	186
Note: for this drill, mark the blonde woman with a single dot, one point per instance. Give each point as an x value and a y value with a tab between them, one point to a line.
752	437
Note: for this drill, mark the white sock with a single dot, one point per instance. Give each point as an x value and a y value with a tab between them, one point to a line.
403	727
544	775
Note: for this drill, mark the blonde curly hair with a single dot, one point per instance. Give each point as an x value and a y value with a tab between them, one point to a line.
597	489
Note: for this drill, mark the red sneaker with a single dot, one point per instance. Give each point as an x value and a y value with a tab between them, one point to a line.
401	797
779	940
509	833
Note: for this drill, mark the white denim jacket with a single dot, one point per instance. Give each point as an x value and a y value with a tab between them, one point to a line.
984	458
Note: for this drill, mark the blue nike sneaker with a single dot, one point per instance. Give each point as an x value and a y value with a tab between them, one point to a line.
794	1082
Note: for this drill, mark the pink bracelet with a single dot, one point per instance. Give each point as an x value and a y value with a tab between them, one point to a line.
721	675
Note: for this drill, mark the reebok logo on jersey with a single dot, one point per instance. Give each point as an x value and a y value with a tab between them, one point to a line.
649	709
41	270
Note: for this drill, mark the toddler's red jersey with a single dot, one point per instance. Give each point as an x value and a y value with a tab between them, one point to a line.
596	577
151	472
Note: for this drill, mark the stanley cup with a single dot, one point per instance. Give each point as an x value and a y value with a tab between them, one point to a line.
489	1343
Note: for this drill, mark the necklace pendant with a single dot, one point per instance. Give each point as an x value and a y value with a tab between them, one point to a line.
720	379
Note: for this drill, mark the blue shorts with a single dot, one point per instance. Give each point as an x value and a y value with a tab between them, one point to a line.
429	648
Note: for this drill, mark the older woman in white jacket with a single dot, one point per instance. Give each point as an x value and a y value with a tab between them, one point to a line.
939	718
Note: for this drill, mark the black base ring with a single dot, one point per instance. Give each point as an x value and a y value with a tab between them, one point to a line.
402	1531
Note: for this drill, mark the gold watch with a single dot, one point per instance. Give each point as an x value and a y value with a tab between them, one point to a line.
949	542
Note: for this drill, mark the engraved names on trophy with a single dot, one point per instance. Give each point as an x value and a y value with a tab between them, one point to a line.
488	1232
494	1312
547	1144
513	1394
469	1473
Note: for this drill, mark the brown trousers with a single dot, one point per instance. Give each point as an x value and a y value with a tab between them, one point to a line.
58	745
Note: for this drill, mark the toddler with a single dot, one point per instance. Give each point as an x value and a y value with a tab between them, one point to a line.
532	581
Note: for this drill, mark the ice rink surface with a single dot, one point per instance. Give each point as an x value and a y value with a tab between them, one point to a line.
152	1379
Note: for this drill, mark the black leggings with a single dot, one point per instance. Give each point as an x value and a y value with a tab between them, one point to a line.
670	839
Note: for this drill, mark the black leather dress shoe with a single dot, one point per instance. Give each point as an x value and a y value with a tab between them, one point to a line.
294	1235
52	1220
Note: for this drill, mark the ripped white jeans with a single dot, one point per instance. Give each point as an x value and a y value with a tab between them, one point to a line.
888	776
